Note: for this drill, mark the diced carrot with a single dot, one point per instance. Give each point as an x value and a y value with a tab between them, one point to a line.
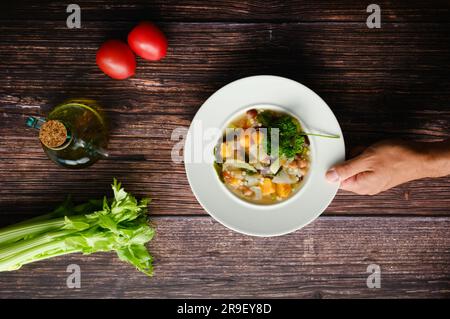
226	176
267	187
283	190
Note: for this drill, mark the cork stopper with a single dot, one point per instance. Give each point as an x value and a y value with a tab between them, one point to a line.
53	134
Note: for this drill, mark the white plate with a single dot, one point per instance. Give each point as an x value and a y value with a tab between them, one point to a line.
263	91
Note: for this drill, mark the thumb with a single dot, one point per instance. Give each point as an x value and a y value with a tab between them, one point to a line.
342	171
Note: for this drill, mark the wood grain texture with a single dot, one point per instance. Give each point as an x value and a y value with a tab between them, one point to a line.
197	257
384	83
229	10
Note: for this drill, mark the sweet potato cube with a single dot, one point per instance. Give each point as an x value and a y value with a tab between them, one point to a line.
283	190
267	187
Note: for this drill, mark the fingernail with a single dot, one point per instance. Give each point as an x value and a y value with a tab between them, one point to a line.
332	176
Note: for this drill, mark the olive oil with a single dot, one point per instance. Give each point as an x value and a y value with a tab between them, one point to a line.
74	135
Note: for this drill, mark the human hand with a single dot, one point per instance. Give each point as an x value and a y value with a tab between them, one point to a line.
390	163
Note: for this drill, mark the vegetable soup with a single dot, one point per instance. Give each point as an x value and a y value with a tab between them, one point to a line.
263	156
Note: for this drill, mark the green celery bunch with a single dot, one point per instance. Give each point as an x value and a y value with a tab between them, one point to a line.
119	224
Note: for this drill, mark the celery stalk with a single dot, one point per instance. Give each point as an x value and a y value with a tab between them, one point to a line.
13	233
13	248
119	224
44	251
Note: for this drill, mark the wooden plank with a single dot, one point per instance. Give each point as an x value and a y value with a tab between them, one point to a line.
410	55
26	193
228	10
370	78
372	74
197	257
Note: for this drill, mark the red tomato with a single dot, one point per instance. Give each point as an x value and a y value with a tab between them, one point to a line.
116	59
147	41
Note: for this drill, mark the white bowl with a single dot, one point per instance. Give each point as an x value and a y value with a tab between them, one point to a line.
311	147
263	92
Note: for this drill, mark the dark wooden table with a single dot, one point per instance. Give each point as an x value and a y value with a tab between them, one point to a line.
392	81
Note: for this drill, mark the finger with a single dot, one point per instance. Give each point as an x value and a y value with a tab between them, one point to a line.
361	183
347	169
351	184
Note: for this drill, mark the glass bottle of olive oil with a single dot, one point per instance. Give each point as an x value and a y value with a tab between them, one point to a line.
75	133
